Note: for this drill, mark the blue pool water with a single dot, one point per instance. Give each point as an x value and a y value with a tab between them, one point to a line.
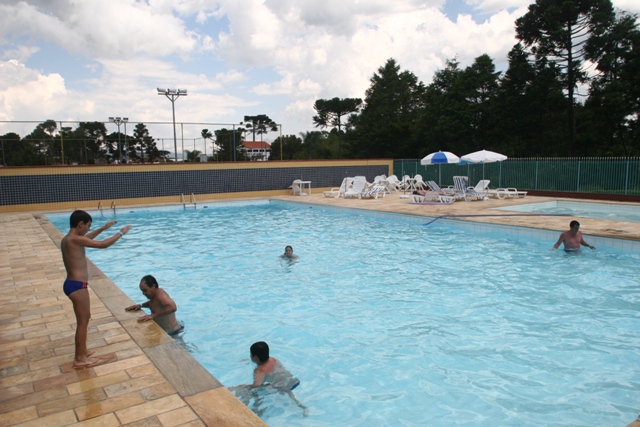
611	211
388	322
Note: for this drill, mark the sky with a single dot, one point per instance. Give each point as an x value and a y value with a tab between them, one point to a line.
88	60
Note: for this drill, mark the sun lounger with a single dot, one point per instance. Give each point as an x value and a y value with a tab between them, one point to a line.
339	191
357	188
463	191
506	193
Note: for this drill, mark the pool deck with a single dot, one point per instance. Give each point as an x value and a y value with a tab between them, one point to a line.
147	379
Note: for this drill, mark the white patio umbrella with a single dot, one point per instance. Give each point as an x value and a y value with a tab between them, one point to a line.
483	156
440	158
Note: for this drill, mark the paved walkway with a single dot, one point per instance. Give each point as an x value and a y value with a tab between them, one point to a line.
149	380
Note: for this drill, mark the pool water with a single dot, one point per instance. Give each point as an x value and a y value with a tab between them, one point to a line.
387	321
611	211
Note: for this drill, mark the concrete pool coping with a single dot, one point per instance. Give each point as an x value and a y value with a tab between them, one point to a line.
150	380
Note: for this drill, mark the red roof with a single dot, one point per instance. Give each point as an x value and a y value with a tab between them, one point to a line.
257	144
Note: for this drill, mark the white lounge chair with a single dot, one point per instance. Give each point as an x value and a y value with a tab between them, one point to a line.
431	197
419	183
339	191
394	184
506	193
463	191
357	188
375	190
443	191
481	187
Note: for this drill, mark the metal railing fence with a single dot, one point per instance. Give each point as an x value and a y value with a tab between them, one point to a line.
605	175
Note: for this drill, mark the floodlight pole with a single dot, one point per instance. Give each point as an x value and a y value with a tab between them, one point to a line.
172	95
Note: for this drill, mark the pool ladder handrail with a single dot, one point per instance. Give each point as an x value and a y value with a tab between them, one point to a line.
113	206
192	201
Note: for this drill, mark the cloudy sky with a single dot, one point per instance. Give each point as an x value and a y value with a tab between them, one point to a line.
86	60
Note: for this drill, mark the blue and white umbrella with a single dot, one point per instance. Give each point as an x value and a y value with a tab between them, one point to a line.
440	158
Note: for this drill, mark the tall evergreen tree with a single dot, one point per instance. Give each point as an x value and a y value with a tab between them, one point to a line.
330	113
260	124
384	127
558	31
610	122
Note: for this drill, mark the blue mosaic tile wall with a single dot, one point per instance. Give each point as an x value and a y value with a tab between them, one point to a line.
64	187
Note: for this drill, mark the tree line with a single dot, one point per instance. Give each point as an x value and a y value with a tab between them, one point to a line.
572	88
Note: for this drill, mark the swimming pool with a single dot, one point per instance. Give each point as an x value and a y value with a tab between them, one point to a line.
612	211
388	322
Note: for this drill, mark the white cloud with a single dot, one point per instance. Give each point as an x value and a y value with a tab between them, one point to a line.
234	57
26	93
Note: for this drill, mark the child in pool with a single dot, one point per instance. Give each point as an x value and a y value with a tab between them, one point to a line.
270	372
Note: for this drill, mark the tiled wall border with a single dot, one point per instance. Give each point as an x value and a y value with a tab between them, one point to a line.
60	187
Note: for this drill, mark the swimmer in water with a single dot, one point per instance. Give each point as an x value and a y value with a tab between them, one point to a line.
572	239
269	372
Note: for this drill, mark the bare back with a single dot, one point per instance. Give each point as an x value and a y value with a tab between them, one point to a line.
166	321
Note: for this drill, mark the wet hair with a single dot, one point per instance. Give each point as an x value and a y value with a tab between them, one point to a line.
288	247
150	281
574	223
260	349
79	216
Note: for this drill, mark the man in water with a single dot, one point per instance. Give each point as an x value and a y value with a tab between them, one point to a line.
572	239
270	372
162	307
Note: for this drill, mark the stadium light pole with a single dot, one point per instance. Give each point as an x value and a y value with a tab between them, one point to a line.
172	95
118	121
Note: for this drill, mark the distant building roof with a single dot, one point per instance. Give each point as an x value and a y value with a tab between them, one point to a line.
256	144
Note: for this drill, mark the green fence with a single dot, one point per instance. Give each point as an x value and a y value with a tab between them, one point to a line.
604	175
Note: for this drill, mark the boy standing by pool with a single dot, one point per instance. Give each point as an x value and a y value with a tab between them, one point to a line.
75	286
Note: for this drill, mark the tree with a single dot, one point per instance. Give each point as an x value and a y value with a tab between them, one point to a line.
331	111
144	143
385	125
260	124
89	142
480	84
291	147
558	32
193	156
206	135
530	108
11	148
228	142
610	121
443	123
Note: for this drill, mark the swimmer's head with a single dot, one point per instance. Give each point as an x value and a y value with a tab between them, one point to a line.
260	350
288	250
574	224
150	281
79	216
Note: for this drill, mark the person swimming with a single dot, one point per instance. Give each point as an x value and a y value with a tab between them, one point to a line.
270	373
572	239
